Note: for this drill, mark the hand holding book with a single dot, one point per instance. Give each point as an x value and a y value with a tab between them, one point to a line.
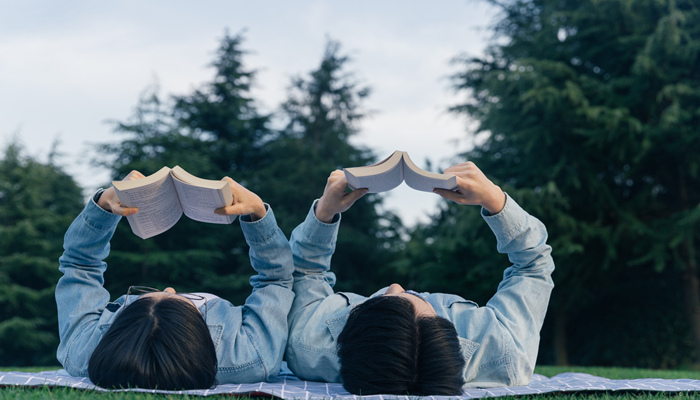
473	187
163	197
462	183
110	202
245	202
335	199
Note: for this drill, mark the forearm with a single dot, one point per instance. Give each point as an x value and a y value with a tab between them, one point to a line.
86	242
313	243
80	295
523	238
522	298
266	309
270	253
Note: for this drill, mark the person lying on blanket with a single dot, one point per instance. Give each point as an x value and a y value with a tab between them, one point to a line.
164	339
401	342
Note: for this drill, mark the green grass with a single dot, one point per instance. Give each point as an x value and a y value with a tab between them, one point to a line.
621	373
62	393
31	369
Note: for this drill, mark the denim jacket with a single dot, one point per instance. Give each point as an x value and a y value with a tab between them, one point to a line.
499	341
249	339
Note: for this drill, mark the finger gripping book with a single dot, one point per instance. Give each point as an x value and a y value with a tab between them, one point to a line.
163	197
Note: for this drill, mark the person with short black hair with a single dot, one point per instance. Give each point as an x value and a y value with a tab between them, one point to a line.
418	355
163	339
401	342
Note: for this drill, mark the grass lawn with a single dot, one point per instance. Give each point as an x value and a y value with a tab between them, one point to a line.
612	373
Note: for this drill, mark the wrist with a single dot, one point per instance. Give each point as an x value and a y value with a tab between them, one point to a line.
322	214
258	212
324	217
102	201
495	201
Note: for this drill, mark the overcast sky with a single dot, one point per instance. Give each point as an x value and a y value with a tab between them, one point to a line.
66	68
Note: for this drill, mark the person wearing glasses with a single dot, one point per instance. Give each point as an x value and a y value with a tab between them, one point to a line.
163	339
401	342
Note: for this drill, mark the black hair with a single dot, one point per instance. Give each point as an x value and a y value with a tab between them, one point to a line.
385	348
156	344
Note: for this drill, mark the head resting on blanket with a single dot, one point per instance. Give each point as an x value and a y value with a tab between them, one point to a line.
387	348
156	342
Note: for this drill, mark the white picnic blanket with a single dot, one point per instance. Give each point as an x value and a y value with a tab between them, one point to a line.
287	386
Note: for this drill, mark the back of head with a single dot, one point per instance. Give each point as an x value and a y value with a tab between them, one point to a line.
440	364
155	343
378	347
385	348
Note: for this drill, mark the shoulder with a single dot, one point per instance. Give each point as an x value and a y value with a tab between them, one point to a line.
312	345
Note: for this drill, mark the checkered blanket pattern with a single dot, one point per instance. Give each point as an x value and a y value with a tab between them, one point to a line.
287	386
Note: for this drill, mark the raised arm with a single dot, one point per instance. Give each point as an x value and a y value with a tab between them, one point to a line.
263	332
522	298
313	243
80	295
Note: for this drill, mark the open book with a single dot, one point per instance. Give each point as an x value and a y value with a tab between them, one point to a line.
164	196
397	168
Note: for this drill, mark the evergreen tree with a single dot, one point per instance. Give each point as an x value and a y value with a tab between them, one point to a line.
217	131
566	137
224	117
213	132
587	112
37	204
322	112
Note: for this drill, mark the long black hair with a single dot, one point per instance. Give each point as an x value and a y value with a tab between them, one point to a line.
385	348
157	344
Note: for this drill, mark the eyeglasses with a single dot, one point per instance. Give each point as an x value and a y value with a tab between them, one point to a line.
141	290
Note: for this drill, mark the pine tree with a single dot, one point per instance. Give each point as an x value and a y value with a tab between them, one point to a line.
38	201
587	112
217	131
323	111
213	132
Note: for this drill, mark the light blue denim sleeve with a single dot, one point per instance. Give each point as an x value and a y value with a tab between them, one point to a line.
522	297
311	349
80	295
507	329
264	328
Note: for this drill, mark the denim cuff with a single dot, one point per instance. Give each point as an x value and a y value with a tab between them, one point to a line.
507	223
97	217
262	230
317	231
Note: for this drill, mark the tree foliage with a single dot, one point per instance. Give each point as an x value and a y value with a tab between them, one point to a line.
38	201
322	112
587	112
588	115
214	131
217	131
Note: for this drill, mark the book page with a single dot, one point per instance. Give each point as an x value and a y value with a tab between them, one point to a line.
381	177
420	179
200	197
159	208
